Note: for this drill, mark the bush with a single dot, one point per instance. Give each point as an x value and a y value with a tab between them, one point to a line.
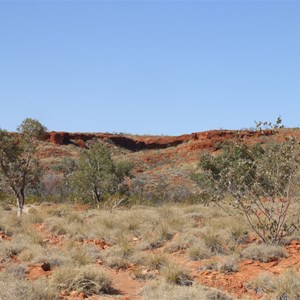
98	176
33	128
261	179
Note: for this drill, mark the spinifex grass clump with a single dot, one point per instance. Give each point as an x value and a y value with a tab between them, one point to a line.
262	180
284	286
264	253
89	279
165	290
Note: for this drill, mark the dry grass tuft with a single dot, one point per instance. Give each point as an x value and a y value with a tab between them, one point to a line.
199	251
157	261
17	288
89	279
263	252
173	274
285	286
166	291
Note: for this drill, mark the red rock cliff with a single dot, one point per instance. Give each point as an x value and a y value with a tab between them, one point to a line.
204	139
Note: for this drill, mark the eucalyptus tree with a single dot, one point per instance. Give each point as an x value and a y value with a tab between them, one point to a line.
19	169
262	179
97	175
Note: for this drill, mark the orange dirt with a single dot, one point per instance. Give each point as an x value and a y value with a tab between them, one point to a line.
38	270
49	237
235	283
3	236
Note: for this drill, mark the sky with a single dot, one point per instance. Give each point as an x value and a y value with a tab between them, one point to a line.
149	67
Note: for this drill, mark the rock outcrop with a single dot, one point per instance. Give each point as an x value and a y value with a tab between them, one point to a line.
206	139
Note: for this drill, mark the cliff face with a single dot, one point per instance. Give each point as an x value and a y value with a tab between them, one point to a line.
196	140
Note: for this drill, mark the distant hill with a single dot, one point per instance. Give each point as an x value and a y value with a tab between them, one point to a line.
162	163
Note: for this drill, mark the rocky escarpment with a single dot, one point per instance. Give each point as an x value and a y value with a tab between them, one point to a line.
196	140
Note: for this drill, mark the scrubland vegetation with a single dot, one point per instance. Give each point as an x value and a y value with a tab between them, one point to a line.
165	249
86	224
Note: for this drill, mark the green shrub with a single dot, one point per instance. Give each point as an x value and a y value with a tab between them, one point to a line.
261	179
32	128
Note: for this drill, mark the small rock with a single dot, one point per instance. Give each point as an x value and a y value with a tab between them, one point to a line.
46	267
248	262
74	294
64	293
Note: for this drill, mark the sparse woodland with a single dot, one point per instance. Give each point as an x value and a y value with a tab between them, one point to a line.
89	226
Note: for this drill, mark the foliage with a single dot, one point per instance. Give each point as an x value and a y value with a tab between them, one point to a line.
32	128
56	183
19	170
97	175
262	180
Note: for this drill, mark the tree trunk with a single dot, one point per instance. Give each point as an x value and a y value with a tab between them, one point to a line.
97	197
20	203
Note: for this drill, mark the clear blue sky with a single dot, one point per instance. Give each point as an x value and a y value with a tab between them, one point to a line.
149	67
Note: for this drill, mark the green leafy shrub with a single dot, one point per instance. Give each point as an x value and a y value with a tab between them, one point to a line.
32	128
98	176
262	180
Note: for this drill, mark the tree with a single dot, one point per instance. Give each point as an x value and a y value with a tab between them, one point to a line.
19	170
262	179
32	128
98	175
